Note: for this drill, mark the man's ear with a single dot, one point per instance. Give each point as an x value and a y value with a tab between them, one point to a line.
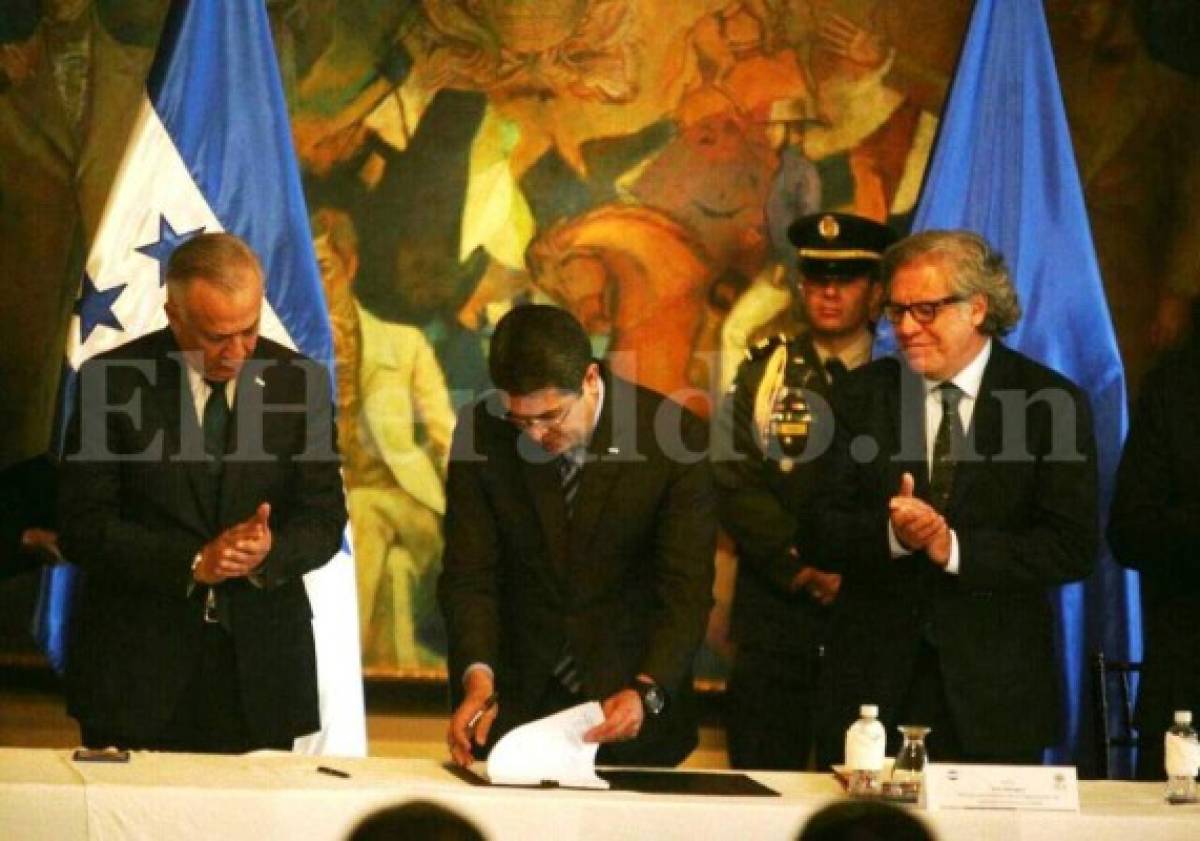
979	308
591	378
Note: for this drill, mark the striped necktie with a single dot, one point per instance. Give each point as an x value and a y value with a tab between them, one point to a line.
947	444
570	472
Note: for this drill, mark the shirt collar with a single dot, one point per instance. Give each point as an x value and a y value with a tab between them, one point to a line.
856	355
970	378
200	388
599	407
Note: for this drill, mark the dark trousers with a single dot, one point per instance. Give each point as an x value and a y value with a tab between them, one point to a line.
926	703
773	709
208	717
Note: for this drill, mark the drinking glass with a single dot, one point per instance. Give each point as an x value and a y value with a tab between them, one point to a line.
910	760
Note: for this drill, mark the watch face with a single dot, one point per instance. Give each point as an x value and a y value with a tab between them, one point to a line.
653	699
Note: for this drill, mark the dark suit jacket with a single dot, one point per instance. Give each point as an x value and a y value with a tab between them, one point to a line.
767	510
1026	520
26	501
628	580
1155	529
135	521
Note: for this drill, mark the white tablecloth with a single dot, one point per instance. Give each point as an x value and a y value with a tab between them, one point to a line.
44	794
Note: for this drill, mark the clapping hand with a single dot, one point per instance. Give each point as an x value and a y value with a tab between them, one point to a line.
917	524
238	551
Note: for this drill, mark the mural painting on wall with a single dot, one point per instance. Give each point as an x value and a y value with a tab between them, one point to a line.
635	161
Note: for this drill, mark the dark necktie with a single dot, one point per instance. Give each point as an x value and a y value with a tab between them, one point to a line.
216	426
836	369
570	472
947	444
216	435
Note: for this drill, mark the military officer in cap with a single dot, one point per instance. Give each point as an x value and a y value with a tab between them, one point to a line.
771	428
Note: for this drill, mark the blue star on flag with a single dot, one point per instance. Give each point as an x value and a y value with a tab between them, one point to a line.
168	241
94	308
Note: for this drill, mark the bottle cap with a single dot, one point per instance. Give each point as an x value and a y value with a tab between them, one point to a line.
1183	716
872	711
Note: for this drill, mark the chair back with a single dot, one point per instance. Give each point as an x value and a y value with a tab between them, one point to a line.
1115	729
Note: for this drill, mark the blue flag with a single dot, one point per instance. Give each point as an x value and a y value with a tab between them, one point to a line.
211	150
1003	166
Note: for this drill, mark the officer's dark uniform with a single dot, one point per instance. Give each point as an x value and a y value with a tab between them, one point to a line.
771	427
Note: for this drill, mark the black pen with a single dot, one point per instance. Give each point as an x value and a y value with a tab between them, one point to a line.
487	705
333	772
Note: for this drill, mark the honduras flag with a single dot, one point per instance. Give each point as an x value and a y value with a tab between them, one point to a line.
1003	166
211	150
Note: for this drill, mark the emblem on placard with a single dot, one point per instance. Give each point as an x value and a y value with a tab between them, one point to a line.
828	227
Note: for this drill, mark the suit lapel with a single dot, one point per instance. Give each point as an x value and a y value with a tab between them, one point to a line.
183	439
600	471
984	434
909	411
539	472
237	474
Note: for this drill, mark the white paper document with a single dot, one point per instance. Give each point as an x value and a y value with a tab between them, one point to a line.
1046	788
549	749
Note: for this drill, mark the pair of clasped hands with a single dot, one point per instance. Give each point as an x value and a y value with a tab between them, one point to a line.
473	719
238	551
918	525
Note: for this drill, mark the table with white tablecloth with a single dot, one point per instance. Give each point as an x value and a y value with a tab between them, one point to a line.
44	794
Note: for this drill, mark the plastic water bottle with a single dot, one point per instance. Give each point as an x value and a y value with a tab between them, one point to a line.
866	741
1181	750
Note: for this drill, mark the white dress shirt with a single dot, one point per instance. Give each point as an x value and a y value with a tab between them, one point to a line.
968	380
200	391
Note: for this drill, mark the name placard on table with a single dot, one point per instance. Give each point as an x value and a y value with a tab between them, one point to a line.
1044	788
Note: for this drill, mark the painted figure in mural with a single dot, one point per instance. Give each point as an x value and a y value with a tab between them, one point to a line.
521	53
71	76
881	70
734	60
795	192
637	275
428	280
540	48
956	520
1136	132
714	178
579	545
200	483
394	425
768	493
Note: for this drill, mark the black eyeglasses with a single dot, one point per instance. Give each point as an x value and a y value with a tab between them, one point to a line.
923	312
550	420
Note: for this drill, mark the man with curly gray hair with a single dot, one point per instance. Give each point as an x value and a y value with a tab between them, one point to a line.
971	266
962	491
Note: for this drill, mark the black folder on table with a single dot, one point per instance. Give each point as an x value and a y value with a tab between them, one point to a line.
649	781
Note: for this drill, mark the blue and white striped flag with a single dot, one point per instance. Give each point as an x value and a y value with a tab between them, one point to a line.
211	150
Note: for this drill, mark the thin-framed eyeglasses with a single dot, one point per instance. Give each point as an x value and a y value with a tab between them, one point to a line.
923	312
547	420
